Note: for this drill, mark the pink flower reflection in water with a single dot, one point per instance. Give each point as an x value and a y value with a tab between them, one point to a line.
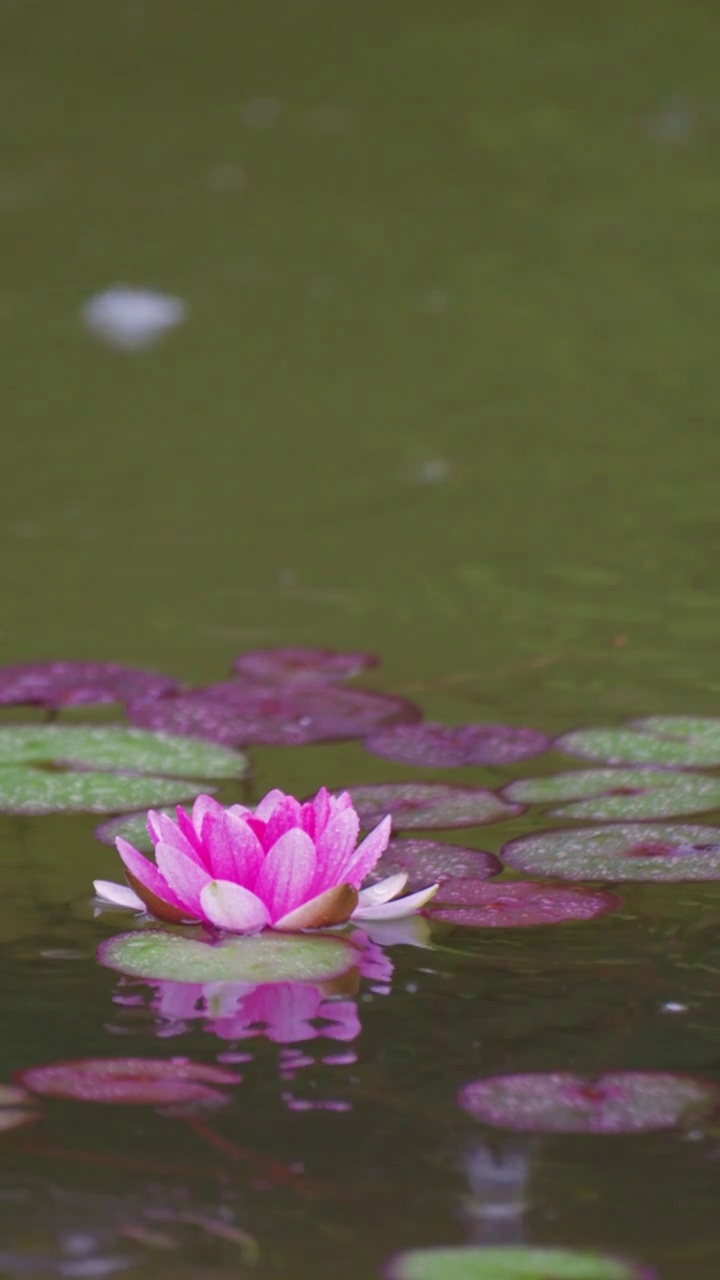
285	1013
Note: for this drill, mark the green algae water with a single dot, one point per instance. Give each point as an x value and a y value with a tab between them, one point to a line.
444	386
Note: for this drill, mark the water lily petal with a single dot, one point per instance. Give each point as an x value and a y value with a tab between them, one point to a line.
287	873
152	826
184	822
369	852
169	833
383	891
146	873
307	819
159	907
119	895
321	807
230	906
234	851
285	816
185	878
335	849
240	810
400	907
202	806
267	806
258	826
332	907
340	802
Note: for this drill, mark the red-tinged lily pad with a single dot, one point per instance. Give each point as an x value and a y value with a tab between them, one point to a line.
518	904
511	1262
289	666
623	851
134	1081
620	794
272	715
668	741
265	957
425	806
430	861
74	684
437	746
562	1102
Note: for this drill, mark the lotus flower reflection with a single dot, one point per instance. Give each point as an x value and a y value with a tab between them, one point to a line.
284	865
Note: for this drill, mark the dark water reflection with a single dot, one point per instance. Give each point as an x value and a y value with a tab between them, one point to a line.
346	1135
445	386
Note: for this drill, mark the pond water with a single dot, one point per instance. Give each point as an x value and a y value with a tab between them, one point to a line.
441	384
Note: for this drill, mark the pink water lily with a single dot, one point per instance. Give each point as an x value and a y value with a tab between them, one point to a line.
284	865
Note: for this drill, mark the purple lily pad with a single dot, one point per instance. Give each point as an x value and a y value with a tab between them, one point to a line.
512	1262
74	684
292	667
134	1081
519	904
681	741
430	861
623	851
562	1102
437	746
424	806
235	713
620	794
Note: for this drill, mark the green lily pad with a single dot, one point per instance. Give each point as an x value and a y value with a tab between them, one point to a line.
511	1262
681	741
106	768
27	790
625	851
620	794
267	957
118	747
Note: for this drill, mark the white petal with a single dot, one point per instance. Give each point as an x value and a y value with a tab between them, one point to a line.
120	895
383	891
401	906
230	906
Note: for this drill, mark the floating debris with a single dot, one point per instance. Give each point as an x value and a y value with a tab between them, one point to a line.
132	319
